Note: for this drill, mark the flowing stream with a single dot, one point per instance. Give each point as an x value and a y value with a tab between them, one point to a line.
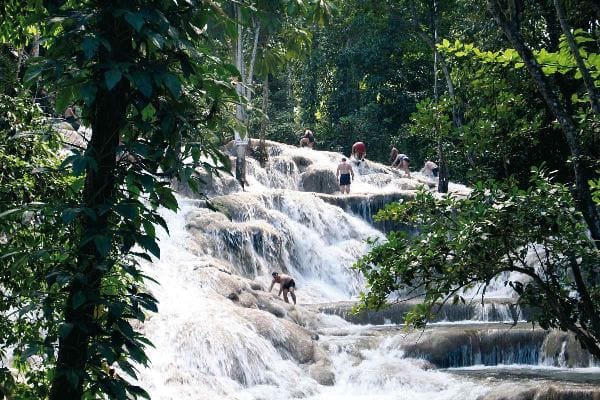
220	335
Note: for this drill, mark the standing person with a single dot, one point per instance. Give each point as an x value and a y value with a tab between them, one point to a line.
344	170
286	284
71	117
402	161
359	151
308	139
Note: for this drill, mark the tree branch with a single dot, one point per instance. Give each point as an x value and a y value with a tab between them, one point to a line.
585	73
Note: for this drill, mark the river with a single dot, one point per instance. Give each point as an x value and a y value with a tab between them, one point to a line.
220	335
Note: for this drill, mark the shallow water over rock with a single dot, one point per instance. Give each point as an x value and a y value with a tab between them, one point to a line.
221	335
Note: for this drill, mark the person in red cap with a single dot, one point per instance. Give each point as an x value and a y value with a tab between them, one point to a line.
359	151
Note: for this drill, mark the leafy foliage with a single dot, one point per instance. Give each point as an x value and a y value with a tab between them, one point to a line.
32	192
152	91
467	243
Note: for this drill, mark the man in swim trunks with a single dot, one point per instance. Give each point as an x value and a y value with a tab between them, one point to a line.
359	151
286	284
344	171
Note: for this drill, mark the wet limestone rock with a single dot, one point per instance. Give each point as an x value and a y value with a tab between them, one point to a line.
319	179
540	391
269	306
288	338
562	349
212	185
322	372
302	163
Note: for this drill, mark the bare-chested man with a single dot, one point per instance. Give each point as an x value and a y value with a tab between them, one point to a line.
344	171
286	284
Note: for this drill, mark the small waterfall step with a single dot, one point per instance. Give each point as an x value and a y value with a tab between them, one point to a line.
492	310
530	383
463	345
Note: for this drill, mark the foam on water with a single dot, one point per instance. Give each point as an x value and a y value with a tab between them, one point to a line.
383	373
204	349
208	347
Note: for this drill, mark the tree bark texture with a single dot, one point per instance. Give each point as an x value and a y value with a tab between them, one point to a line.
264	122
567	124
250	76
108	112
241	141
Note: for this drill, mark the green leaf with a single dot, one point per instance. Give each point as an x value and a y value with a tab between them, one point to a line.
167	199
142	81
70	214
111	78
149	243
549	70
172	83
78	299
33	72
136	20
88	93
157	40
103	244
148	112
90	47
127	210
64	329
81	163
126	329
64	99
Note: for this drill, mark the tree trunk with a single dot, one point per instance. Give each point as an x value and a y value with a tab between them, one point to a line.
443	172
241	138
587	205
250	76
264	122
109	110
432	43
585	73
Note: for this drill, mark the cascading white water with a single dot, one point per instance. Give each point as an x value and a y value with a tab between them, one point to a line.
208	346
220	335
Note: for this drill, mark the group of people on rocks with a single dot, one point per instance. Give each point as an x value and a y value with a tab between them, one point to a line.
345	173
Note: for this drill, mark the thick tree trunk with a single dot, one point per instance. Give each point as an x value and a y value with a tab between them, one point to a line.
108	111
587	205
585	73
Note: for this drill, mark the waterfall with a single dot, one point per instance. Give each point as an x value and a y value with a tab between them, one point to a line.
220	334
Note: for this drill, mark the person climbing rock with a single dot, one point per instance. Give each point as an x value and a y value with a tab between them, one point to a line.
344	171
402	162
359	151
308	139
286	284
